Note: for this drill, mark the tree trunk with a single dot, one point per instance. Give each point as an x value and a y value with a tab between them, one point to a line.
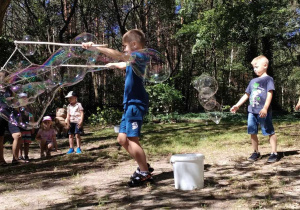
3	7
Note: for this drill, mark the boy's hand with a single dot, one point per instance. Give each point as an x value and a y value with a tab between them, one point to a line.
263	113
297	107
80	125
87	45
234	109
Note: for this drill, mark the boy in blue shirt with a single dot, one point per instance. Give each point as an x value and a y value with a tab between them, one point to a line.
260	93
135	100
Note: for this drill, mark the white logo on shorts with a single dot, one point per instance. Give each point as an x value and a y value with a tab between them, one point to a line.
134	125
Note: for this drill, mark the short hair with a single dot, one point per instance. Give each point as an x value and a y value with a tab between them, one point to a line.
260	58
134	35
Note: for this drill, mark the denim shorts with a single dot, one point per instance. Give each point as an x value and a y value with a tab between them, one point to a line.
132	120
74	129
265	123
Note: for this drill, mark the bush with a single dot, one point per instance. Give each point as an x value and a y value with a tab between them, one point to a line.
106	116
163	98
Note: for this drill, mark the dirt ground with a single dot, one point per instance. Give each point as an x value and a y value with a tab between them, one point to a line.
97	180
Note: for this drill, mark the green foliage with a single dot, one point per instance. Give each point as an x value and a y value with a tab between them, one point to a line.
106	116
163	98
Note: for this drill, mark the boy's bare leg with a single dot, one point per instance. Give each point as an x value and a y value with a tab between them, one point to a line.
71	140
16	145
133	147
254	141
78	140
1	149
273	142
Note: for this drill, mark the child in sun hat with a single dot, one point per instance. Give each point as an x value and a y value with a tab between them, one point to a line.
47	137
74	121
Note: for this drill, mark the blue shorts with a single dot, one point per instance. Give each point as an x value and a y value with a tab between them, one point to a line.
132	120
265	123
74	129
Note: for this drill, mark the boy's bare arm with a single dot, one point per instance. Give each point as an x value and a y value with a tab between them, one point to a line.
264	111
114	54
120	65
244	98
81	121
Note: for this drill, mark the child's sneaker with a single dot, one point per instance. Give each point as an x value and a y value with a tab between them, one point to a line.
140	179
254	157
26	158
71	150
273	158
78	150
138	171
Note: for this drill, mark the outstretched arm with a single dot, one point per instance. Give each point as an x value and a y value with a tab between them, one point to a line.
114	54
240	103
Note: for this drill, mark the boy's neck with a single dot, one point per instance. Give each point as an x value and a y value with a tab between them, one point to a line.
264	74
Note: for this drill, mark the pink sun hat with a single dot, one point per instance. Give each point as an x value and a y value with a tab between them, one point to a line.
47	118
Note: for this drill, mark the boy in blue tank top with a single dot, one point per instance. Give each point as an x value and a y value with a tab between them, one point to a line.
260	93
135	100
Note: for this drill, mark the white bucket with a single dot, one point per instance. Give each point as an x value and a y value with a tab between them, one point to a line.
117	128
188	171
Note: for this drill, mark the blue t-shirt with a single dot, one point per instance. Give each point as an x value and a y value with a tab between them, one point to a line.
258	89
134	92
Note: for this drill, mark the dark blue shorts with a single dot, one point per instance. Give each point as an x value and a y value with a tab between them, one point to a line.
12	128
3	126
265	123
132	120
74	129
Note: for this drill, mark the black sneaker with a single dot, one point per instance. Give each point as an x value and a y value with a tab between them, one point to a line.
140	179
150	169
273	158
254	157
26	158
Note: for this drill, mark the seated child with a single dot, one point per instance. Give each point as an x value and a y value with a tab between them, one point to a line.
47	137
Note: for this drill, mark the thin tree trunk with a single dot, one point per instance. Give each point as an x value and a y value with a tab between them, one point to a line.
3	7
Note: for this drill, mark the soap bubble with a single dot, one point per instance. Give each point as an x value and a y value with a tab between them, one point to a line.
206	85
90	56
207	104
28	49
216	113
150	65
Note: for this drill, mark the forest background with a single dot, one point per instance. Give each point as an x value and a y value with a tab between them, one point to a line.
217	37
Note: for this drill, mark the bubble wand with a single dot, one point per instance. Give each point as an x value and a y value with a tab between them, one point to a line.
56	43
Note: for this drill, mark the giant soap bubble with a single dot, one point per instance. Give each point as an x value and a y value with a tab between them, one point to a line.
207	87
150	65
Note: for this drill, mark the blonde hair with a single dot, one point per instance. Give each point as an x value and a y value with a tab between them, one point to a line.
134	35
43	126
260	58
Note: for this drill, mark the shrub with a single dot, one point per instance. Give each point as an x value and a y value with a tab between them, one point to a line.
106	116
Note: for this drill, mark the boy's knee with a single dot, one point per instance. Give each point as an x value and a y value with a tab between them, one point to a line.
122	140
